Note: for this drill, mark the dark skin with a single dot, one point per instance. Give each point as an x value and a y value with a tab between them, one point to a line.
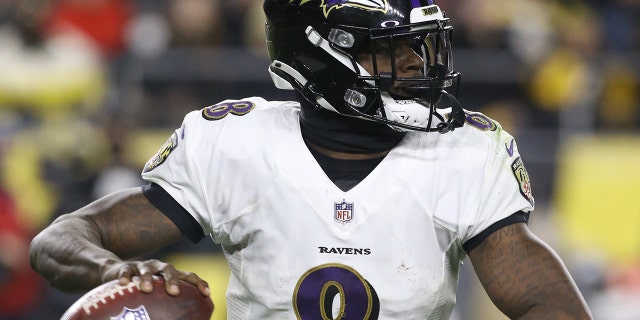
523	276
94	243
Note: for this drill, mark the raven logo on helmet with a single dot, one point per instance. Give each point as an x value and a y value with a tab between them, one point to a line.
329	5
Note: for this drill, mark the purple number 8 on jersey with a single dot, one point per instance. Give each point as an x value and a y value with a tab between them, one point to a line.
221	110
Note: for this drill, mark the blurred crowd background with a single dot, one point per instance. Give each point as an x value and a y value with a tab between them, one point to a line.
90	89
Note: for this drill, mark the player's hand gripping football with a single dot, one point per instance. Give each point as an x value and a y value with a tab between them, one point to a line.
145	270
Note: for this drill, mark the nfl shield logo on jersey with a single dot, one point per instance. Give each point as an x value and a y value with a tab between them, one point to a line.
343	212
139	313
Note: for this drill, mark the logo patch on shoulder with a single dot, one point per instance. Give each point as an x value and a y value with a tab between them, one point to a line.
139	313
343	212
522	176
162	154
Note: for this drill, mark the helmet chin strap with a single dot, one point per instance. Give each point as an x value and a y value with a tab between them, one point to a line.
456	118
411	115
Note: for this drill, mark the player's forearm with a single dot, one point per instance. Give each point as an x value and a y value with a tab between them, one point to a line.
553	295
68	254
557	299
551	289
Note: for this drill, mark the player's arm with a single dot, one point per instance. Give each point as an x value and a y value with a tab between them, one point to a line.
88	247
524	278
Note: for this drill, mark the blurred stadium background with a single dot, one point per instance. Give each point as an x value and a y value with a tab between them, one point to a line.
89	89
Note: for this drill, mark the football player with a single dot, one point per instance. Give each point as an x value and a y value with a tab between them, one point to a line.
357	201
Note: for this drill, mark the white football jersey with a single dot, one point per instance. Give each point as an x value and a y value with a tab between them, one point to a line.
301	248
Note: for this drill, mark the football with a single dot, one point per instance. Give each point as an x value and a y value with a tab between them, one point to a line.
112	301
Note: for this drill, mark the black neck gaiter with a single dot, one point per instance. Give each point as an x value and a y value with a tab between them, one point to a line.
346	134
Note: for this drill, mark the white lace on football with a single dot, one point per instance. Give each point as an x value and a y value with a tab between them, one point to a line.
109	292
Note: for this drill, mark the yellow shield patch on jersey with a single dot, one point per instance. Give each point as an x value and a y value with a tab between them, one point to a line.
162	154
522	176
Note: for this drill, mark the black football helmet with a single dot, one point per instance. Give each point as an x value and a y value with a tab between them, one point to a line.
314	46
